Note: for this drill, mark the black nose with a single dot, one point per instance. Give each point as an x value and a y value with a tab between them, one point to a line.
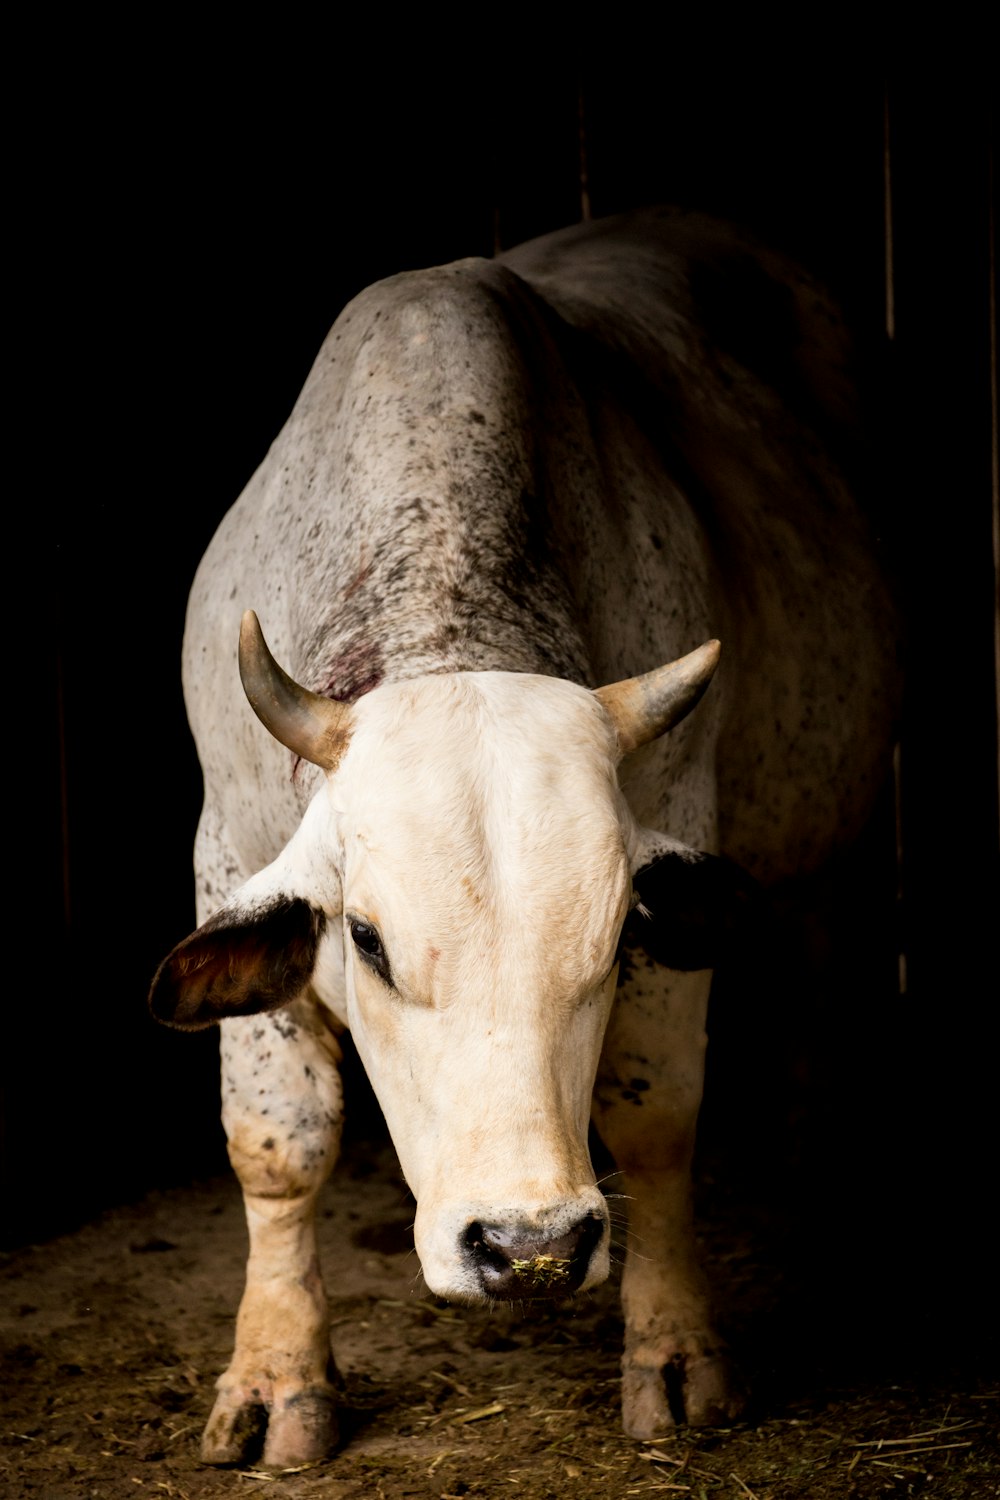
516	1261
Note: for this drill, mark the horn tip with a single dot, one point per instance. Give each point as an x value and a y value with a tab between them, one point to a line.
251	635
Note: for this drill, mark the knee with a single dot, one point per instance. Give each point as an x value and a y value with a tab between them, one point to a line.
276	1157
281	1107
646	1131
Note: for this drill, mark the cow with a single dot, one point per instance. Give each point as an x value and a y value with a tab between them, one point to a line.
565	634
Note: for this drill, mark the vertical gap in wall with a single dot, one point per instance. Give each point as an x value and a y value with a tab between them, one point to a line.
584	166
67	890
890	333
890	303
994	438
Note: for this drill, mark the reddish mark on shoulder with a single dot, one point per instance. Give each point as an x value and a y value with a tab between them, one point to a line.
353	673
434	954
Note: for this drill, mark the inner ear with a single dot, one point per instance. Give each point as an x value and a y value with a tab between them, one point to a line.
238	963
690	908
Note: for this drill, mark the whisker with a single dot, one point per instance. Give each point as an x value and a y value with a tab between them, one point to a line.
634	1254
620	1229
615	1172
616	1217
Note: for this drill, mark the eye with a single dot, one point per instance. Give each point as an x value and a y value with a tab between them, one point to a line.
369	945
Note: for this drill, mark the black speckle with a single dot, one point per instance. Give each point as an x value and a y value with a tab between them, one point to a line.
639	1084
268	1145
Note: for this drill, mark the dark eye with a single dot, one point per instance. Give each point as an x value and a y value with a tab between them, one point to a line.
369	946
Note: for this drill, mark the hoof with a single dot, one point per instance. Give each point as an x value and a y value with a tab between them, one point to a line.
645	1409
299	1427
235	1430
712	1393
699	1391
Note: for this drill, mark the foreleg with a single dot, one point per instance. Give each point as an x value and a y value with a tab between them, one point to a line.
674	1366
282	1112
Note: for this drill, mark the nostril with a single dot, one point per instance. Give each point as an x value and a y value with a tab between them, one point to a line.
484	1244
589	1231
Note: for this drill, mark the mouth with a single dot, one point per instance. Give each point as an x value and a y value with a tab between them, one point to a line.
544	1273
516	1261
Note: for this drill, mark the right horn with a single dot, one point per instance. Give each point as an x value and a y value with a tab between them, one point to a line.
643	708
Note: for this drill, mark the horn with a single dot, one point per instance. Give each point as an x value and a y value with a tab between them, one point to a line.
303	721
643	708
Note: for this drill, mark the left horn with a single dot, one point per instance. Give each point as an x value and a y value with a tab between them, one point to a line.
303	721
643	708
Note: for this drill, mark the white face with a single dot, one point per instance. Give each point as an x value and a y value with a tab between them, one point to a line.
485	882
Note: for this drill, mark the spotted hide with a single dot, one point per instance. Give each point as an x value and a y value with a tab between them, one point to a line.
580	630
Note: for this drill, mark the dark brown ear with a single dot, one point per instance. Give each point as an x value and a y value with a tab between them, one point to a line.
691	908
237	964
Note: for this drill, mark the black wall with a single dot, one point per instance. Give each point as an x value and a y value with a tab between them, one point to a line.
191	225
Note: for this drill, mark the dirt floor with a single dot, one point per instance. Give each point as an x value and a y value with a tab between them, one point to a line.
113	1337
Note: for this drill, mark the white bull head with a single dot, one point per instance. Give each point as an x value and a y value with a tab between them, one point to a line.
472	857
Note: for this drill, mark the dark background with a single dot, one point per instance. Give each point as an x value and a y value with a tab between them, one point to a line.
194	217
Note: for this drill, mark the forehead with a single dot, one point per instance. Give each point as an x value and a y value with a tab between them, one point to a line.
481	769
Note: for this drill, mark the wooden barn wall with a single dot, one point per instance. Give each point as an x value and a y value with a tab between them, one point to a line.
190	232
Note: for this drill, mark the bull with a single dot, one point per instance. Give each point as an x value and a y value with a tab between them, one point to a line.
485	814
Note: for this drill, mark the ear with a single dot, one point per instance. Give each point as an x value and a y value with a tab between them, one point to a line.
690	905
258	951
243	960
